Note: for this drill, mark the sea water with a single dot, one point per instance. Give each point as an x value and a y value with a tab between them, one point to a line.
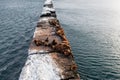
92	27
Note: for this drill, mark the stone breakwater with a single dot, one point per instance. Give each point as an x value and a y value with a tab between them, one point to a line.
49	55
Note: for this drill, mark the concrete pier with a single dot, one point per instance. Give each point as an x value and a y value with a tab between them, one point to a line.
49	55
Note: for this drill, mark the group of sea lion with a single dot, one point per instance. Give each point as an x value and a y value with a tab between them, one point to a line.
62	47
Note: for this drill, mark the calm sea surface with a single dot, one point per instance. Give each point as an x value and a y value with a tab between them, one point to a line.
92	27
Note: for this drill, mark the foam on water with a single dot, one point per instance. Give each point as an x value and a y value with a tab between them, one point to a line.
40	67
